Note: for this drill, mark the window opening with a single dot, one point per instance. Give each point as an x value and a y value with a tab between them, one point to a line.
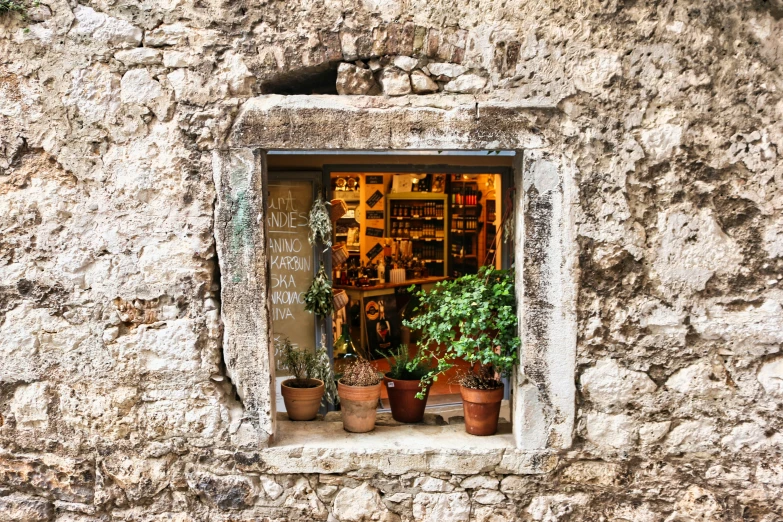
395	226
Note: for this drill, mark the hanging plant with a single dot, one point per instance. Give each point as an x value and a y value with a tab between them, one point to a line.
320	223
318	298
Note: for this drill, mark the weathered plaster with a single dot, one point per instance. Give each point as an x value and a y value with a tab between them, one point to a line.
115	397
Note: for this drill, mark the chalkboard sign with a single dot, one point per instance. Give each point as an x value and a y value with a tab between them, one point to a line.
374	251
291	259
375	198
374	214
374	232
374	180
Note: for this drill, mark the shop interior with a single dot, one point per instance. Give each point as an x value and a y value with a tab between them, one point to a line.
399	221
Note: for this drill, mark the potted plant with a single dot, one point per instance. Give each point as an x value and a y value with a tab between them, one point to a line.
403	383
312	381
359	389
473	318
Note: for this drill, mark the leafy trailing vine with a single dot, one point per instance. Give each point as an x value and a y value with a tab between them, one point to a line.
474	318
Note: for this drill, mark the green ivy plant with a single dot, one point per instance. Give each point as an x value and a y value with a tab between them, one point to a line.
473	318
318	298
11	6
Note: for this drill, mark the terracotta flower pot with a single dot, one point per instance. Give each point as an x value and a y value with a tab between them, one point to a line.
405	407
302	404
359	405
482	409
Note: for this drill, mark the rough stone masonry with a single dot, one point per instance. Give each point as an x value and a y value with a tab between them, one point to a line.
114	402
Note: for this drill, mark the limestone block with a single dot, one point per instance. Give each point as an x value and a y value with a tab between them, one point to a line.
432	484
692	436
513	485
236	75
652	432
770	376
550	508
696	503
661	319
171	34
611	431
773	238
271	488
49	475
437	507
15	508
355	44
488	497
593	74
105	29
770	473
139	56
480	482
608	385
94	92
360	504
354	80
30	406
325	492
636	513
422	84
395	82
466	84
190	86
301	497
406	63
661	143
750	435
702	379
447	70
493	513
750	324
173	347
176	59
593	472
139	478
223	491
138	86
692	248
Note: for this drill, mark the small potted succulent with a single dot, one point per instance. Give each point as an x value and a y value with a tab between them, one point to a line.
473	318
359	389
407	394
312	381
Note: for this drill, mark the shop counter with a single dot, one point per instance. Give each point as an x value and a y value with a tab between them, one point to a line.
375	314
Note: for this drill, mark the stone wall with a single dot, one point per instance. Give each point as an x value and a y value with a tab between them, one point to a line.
114	398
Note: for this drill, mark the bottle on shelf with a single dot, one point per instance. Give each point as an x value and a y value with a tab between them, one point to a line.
344	351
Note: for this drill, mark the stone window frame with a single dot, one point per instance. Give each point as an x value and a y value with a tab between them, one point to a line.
543	389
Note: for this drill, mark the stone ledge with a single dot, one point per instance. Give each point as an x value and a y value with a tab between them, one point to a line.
324	447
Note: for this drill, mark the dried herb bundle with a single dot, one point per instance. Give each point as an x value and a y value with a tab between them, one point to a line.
318	298
484	379
361	373
320	223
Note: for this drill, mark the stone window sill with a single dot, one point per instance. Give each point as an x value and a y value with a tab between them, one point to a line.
325	447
